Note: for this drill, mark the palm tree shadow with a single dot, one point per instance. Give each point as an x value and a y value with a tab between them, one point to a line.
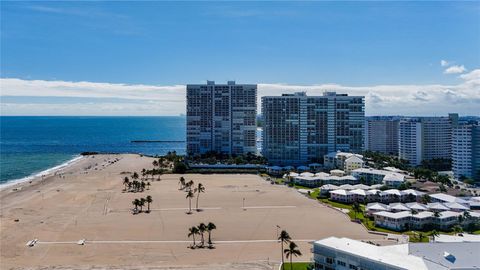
199	210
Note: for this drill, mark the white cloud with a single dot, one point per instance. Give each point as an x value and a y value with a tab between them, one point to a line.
444	63
432	99
455	69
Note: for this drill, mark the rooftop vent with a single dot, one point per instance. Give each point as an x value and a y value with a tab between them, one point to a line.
449	257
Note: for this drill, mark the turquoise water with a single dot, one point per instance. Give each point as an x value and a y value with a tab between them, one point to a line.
29	145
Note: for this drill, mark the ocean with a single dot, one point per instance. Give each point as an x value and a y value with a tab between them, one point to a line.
31	145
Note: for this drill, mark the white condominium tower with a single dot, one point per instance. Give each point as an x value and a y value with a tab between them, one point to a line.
221	118
381	134
425	138
466	152
299	129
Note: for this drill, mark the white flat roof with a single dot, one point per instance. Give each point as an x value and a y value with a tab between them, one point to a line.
463	237
390	255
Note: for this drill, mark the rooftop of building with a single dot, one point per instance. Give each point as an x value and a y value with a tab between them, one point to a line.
447	198
390	255
451	255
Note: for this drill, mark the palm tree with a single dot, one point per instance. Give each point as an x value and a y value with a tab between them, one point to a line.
144	172
426	199
148	185
155	163
182	183
291	251
142	185
420	236
210	228
192	232
126	181
356	208
189	185
202	228
149	200
142	203
434	234
200	188
457	229
190	195
135	175
284	237
135	203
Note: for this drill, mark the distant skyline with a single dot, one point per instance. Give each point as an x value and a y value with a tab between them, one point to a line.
134	58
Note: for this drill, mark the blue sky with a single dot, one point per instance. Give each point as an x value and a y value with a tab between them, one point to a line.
281	45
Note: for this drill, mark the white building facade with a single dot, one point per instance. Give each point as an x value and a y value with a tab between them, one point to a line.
466	152
425	138
221	118
300	129
381	135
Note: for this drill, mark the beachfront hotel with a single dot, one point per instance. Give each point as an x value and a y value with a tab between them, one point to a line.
300	129
344	253
425	138
221	118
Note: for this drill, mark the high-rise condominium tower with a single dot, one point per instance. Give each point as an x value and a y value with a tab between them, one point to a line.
221	118
299	129
425	138
466	151
381	134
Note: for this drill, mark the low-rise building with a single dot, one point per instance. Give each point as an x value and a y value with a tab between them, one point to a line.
397	221
445	198
343	161
344	253
372	176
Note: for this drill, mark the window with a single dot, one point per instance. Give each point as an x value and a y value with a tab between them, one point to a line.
351	266
329	260
341	263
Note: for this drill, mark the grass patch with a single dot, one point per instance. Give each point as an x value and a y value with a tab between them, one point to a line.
314	193
336	204
297	265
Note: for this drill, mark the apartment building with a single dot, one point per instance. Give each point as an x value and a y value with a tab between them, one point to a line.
299	129
466	151
381	134
425	138
221	118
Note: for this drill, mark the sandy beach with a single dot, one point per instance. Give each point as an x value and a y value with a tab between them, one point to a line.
87	202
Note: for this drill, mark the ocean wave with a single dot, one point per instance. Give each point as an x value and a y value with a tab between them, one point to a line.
46	172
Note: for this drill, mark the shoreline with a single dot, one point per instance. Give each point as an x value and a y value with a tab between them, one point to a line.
38	176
